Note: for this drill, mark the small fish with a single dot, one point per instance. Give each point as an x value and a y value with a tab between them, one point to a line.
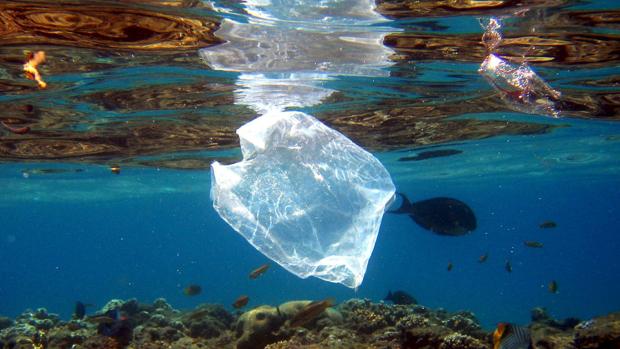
192	290
45	171
116	169
80	310
429	154
483	258
259	271
107	318
400	297
534	244
548	225
16	130
241	302
30	67
553	286
115	323
198	314
310	312
509	336
508	267
450	266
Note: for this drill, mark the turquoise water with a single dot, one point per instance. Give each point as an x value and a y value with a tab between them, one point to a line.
149	232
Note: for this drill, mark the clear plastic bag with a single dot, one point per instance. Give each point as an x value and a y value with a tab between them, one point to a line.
305	196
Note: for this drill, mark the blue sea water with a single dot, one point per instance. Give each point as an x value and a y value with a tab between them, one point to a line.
149	232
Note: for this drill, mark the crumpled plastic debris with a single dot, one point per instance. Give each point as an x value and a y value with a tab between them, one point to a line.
518	85
305	196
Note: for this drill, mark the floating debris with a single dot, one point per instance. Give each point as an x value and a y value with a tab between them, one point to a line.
483	258
548	225
30	67
192	290
431	154
259	271
241	302
553	286
310	312
518	86
508	267
400	297
16	130
534	244
444	216
509	336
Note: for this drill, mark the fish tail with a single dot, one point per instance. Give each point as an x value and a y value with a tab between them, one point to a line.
405	206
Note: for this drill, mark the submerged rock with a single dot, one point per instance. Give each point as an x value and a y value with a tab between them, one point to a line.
207	321
355	323
601	332
5	322
259	327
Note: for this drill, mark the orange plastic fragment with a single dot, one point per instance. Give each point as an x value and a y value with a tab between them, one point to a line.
30	68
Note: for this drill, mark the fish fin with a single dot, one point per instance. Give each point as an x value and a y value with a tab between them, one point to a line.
405	206
516	337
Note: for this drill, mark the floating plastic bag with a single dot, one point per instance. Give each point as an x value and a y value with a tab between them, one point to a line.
305	196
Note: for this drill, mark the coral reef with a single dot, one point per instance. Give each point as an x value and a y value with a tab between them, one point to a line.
356	323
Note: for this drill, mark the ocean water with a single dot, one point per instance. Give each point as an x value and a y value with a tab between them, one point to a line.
148	232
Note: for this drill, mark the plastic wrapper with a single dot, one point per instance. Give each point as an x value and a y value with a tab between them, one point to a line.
305	196
518	85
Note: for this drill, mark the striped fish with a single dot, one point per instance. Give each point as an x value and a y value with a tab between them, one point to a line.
509	336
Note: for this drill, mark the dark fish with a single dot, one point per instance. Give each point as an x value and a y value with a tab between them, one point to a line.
16	130
45	171
508	267
116	169
241	302
119	327
509	336
444	216
548	225
259	271
192	290
400	297
483	258
534	244
553	286
80	310
450	266
431	154
310	312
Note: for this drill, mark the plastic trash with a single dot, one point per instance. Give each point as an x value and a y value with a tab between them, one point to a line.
518	86
305	196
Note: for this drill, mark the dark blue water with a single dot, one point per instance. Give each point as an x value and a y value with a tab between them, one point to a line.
93	236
